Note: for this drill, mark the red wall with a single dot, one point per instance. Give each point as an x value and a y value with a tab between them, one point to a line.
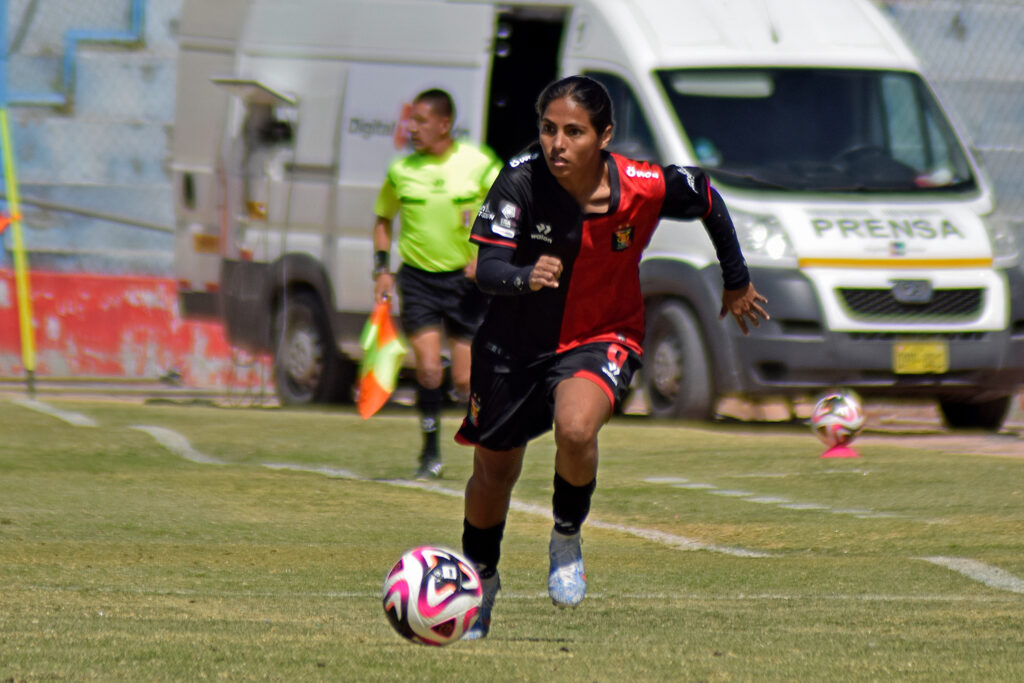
107	326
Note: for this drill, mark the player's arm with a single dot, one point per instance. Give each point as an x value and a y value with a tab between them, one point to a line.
688	194
496	274
385	207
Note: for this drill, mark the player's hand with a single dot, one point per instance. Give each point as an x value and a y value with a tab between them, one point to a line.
383	287
744	304
546	272
470	271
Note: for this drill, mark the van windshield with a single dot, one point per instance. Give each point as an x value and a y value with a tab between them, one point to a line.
803	129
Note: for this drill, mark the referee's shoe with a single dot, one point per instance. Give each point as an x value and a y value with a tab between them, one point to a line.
430	467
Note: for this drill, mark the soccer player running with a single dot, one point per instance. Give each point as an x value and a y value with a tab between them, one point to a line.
560	237
437	190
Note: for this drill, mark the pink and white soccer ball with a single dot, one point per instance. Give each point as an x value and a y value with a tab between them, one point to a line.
837	417
432	595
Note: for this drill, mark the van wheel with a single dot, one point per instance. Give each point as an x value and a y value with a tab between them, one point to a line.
676	373
988	415
307	367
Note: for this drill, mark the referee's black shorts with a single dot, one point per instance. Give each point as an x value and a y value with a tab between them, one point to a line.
448	299
511	404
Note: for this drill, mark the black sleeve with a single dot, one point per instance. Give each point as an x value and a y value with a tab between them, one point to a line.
495	273
496	231
689	195
718	223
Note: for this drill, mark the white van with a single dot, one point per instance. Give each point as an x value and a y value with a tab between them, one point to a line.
863	216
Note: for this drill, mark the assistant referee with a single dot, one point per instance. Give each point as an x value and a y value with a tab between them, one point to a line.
436	191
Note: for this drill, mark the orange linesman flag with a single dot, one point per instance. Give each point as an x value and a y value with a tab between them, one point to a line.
382	359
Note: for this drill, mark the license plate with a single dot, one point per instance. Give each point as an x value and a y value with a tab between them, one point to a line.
920	357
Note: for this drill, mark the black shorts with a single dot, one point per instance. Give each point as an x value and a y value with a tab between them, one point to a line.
447	299
510	404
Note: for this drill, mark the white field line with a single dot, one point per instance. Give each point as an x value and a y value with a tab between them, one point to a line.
660	537
179	445
73	419
984	573
988	575
993	577
785	503
335	472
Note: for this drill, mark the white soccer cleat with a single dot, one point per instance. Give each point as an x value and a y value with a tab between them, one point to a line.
567	581
482	626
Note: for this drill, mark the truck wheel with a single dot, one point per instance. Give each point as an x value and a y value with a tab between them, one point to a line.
676	374
988	415
307	367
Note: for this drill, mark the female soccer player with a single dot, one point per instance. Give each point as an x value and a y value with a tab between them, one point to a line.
560	237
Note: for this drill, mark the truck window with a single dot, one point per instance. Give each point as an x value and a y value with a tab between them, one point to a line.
632	136
835	130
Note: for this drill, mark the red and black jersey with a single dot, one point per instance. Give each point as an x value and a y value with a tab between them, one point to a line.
527	213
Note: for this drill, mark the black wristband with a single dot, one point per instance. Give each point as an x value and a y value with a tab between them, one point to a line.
381	262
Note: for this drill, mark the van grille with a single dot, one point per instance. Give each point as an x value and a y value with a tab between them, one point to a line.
880	304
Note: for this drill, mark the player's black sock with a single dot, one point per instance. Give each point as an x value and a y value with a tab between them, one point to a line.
571	504
429	403
482	547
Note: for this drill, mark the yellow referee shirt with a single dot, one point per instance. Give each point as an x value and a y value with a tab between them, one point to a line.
438	198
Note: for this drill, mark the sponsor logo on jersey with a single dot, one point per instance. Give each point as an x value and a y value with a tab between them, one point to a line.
622	238
485	212
522	159
499	229
616	359
892	229
690	180
506	221
542	232
634	172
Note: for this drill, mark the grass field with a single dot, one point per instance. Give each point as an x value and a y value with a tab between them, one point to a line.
188	542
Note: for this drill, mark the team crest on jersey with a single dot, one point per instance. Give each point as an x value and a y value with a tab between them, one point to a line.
622	238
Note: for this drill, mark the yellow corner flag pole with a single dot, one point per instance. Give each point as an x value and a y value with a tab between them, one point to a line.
28	336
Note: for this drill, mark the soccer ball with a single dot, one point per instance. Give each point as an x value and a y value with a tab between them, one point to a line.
837	417
432	595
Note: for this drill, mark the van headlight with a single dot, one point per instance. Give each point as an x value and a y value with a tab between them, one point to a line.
1003	235
762	239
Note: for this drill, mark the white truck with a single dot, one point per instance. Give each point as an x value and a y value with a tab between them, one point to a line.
862	214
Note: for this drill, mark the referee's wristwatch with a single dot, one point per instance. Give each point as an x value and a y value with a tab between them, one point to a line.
381	263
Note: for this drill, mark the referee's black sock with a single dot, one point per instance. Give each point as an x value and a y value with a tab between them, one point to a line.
429	403
571	505
482	547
